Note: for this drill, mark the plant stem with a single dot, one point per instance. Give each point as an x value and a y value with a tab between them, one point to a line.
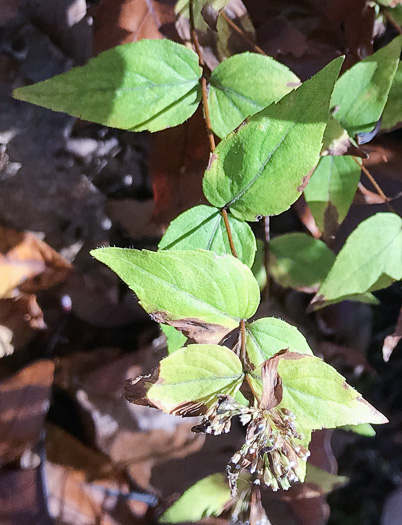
242	34
212	147
375	184
197	47
392	21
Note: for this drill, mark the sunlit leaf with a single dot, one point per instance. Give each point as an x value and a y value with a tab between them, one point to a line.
244	84
393	109
299	261
331	190
189	380
201	294
205	498
371	259
361	92
268	335
204	227
147	85
262	167
317	395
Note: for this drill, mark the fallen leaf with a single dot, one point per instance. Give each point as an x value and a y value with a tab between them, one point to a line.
20	318
66	23
28	263
22	498
178	159
391	341
84	487
8	9
24	401
135	216
121	21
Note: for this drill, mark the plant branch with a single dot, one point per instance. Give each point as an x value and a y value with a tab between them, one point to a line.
244	35
197	47
375	184
392	21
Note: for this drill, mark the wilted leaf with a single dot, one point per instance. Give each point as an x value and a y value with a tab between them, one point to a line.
204	227
201	294
331	190
24	401
392	115
206	498
175	339
369	260
243	85
361	92
267	336
299	261
149	85
392	340
284	138
318	395
189	380
28	263
337	142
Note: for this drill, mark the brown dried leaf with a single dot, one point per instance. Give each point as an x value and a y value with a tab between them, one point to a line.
135	217
272	389
84	487
8	9
121	21
24	401
66	23
178	159
20	319
22	498
28	263
391	341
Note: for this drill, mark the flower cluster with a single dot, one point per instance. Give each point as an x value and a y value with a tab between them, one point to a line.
272	452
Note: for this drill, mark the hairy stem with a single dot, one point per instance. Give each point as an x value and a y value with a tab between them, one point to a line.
375	184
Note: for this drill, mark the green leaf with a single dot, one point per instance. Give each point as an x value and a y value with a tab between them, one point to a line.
371	259
299	261
189	380
206	498
147	85
318	395
393	110
175	339
361	92
262	167
201	294
259	270
331	190
326	481
267	336
204	227
244	84
365	429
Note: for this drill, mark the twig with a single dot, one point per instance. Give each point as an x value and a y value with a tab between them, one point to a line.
196	43
245	37
392	21
375	184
